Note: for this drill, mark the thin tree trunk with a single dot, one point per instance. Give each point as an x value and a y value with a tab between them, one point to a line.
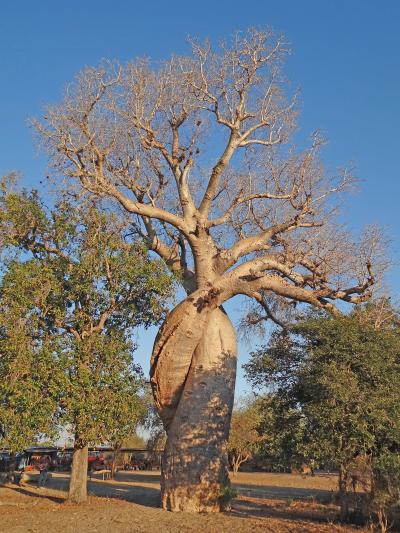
117	447
343	495
78	482
235	465
195	462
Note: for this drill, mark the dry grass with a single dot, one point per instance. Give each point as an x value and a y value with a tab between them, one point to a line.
130	504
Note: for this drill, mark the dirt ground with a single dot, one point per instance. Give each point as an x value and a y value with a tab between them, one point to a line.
266	502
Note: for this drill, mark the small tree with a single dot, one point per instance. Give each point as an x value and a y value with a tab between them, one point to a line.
87	284
243	437
101	395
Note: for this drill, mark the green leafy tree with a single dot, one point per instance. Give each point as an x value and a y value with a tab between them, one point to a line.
243	436
87	284
339	375
102	394
282	433
28	395
275	367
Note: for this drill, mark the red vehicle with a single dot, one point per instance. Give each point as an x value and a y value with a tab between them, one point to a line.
95	460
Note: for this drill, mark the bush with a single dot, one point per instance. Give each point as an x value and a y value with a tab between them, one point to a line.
226	495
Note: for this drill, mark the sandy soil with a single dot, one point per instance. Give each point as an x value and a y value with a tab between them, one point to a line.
267	502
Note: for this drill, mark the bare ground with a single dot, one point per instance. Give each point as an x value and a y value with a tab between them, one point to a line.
267	502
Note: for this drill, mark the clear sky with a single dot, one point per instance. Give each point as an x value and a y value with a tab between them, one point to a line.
346	60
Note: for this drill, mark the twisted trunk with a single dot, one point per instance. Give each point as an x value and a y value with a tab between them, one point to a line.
193	378
78	482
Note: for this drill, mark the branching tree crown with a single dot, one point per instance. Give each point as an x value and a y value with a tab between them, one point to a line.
198	148
243	437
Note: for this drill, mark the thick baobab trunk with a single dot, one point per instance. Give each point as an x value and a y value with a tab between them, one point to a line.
78	482
195	461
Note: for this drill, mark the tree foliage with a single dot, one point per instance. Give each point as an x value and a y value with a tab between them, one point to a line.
78	286
337	377
243	436
28	383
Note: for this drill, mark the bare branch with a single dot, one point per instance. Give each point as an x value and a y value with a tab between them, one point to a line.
137	134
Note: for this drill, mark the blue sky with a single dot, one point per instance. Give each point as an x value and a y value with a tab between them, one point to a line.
345	59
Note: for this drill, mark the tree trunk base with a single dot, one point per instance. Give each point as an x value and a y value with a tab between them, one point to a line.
78	483
197	499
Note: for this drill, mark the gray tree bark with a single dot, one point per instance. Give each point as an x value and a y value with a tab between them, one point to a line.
78	482
195	461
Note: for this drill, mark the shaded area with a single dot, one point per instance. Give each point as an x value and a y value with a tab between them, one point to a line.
246	507
143	488
36	494
279	493
140	489
139	477
131	503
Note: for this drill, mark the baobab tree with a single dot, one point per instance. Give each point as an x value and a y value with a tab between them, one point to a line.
197	149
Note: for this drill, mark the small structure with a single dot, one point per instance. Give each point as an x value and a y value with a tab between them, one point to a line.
32	457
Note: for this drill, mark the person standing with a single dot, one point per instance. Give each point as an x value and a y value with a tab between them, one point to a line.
44	467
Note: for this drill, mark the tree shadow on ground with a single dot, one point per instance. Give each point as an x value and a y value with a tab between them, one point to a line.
119	489
273	492
249	508
34	494
135	477
146	496
123	489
